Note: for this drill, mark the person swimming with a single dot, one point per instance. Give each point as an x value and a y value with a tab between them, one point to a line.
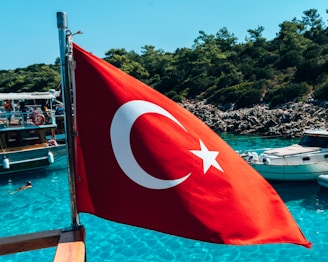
26	186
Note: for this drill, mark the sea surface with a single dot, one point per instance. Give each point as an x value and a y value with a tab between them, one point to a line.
46	206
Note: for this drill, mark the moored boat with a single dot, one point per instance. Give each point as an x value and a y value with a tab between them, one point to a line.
304	161
27	137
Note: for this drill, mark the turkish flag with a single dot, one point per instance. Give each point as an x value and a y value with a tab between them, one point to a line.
143	160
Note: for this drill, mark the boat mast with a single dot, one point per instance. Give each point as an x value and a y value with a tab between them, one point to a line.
67	74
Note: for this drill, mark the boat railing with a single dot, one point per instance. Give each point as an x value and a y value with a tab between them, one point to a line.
36	117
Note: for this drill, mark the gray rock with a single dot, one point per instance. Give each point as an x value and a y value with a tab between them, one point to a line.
288	121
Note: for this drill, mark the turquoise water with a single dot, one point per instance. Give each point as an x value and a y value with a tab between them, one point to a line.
46	206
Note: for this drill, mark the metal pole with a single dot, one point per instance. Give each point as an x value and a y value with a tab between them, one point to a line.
66	94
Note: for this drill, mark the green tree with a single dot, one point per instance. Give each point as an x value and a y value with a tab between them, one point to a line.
292	44
313	24
37	77
126	61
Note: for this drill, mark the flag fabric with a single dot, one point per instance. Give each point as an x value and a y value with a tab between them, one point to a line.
143	160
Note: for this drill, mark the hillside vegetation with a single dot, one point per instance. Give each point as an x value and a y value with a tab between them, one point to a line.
218	68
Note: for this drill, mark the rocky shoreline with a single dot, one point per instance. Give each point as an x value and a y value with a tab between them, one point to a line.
287	121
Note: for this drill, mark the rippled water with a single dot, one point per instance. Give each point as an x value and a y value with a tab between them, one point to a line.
46	206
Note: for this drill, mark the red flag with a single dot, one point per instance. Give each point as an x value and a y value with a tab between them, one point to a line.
145	161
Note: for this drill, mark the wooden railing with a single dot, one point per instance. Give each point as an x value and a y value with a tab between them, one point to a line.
70	243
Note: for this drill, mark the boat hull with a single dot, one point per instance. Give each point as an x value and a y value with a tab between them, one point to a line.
24	160
291	172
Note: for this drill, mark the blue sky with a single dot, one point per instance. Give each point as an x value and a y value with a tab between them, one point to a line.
29	33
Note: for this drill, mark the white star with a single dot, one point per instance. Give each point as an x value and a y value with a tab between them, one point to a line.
209	157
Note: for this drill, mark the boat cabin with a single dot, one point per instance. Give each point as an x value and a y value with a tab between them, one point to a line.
315	138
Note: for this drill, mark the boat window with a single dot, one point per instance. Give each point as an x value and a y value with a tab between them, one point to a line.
314	141
23	138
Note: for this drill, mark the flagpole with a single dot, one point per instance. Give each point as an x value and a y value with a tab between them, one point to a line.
66	75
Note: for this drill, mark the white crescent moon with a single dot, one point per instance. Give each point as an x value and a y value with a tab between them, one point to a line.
120	131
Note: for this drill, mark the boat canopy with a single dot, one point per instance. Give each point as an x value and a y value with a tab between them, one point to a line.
291	150
28	96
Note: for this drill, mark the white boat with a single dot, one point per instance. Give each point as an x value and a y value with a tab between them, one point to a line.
304	161
27	138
